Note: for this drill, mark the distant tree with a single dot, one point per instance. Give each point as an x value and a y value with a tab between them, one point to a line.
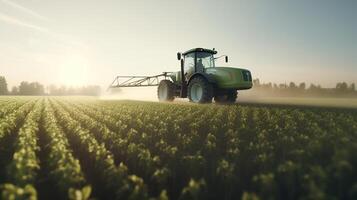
275	86
341	87
312	86
302	86
24	88
268	86
37	88
282	86
353	87
57	91
3	86
63	90
15	90
292	85
312	89
34	88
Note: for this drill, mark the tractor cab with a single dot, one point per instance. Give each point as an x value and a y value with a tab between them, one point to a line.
197	60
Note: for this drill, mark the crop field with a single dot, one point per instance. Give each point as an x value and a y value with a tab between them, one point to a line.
78	148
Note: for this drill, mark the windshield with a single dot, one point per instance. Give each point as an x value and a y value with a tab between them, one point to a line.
205	58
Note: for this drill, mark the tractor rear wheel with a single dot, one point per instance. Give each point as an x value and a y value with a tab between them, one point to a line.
166	91
229	96
200	90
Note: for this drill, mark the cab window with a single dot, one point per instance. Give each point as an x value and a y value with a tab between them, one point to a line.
189	63
204	60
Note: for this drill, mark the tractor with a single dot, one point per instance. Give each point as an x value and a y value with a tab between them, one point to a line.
199	79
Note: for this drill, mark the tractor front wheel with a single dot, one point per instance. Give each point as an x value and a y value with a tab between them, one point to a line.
200	90
166	91
226	97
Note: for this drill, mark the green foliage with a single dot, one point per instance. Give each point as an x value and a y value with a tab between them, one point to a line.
33	88
249	196
65	169
79	194
3	86
12	192
131	150
194	190
22	169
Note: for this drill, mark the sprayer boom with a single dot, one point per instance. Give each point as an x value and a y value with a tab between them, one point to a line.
138	81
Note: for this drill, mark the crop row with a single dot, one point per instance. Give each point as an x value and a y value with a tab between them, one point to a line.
64	169
22	170
136	150
262	144
110	181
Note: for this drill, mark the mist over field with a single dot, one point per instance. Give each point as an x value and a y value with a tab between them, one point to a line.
304	101
138	93
244	97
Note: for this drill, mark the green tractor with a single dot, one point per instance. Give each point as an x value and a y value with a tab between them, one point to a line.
199	79
203	80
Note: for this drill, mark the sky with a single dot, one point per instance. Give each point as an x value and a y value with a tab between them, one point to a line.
89	42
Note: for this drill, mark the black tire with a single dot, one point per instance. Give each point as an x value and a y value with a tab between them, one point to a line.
206	94
229	96
166	91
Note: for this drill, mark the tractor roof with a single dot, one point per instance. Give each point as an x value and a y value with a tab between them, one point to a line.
200	50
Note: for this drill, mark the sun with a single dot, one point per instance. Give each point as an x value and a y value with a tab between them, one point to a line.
74	70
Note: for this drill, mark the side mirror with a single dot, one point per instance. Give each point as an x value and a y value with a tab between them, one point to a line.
226	59
178	56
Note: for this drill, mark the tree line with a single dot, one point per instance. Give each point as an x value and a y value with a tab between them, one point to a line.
36	88
342	89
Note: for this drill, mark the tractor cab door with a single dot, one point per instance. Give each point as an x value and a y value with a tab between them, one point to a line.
189	65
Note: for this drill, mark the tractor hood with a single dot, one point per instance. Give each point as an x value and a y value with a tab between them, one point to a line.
231	77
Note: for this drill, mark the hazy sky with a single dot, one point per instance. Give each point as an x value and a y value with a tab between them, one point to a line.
90	42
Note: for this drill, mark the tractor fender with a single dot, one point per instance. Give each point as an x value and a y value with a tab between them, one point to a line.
208	77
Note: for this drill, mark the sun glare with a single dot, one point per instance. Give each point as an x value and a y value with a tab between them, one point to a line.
74	71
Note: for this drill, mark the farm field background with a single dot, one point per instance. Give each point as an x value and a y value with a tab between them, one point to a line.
82	148
303	101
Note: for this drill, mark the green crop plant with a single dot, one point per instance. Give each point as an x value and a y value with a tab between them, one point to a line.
144	150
